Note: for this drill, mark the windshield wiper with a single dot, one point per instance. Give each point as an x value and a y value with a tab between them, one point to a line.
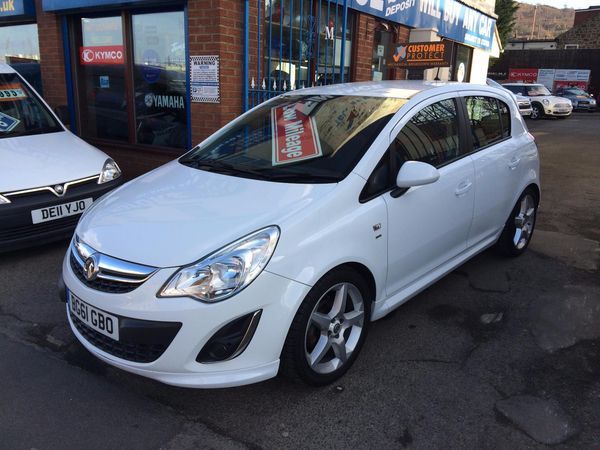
224	167
302	177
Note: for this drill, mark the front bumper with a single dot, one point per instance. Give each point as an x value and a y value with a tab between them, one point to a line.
17	230
277	297
553	111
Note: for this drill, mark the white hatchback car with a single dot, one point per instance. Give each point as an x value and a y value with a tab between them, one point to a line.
274	243
543	103
48	176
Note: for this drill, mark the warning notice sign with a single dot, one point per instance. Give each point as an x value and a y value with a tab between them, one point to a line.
295	135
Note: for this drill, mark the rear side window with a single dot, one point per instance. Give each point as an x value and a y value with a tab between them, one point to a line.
486	125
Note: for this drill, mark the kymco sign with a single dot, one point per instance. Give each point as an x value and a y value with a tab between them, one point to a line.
101	55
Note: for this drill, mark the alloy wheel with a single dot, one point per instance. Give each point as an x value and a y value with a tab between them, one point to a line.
334	328
524	221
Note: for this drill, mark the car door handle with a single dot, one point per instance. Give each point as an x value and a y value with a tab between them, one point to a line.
463	188
514	162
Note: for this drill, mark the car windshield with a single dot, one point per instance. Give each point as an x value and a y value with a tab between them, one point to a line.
297	139
537	91
574	91
21	112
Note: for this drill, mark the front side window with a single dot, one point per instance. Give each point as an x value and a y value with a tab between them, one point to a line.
21	112
431	136
484	117
537	90
302	139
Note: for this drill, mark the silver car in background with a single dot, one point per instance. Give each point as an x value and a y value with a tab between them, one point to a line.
523	102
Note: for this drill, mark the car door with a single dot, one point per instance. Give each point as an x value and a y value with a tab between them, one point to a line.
428	225
497	163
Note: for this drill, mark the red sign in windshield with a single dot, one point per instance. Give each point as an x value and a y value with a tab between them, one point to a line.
295	135
101	55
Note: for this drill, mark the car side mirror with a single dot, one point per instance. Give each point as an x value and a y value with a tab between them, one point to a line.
416	173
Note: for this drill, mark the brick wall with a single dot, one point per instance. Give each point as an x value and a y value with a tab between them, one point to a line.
51	57
216	28
586	34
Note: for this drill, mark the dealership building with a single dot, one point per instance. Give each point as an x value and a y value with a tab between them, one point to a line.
144	80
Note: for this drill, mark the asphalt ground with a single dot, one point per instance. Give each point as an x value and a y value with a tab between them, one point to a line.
501	353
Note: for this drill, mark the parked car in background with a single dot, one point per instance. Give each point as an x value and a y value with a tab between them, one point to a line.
579	98
272	245
543	103
522	102
48	176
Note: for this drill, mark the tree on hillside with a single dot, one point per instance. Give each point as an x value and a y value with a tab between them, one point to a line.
505	9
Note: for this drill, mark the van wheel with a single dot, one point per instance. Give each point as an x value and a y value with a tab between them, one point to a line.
537	112
519	227
328	330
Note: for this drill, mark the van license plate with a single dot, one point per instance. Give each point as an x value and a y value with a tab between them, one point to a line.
96	319
59	211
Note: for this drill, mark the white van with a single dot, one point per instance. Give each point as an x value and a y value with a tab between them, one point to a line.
48	176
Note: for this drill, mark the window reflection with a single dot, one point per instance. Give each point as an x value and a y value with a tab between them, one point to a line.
20	49
160	79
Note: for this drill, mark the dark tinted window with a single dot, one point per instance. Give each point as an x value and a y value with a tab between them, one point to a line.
516	89
505	116
486	127
431	136
303	139
21	112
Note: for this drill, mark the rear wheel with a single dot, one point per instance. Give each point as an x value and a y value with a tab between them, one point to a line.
329	329
537	111
519	227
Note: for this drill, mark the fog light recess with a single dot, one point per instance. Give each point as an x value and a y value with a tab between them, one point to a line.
231	339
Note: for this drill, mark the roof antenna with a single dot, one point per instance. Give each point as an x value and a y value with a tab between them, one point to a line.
437	75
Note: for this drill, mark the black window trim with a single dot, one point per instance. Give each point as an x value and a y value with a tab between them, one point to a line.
463	142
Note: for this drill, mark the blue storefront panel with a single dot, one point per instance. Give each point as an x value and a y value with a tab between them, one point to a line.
17	10
450	18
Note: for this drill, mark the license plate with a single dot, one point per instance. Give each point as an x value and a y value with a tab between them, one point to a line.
58	211
96	319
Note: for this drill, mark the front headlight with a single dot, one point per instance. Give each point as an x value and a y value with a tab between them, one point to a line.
3	200
546	102
225	272
110	171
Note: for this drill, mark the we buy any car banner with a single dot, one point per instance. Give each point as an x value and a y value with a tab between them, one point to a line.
101	55
295	135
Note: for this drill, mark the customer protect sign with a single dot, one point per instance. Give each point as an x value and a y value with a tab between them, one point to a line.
101	55
295	135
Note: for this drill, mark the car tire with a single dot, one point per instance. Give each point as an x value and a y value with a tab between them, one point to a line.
537	111
518	229
328	330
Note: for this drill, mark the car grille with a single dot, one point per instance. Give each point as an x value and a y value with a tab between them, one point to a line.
32	230
128	350
99	284
114	275
563	105
583	102
47	193
524	105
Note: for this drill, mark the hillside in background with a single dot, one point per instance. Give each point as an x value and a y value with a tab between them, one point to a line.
549	21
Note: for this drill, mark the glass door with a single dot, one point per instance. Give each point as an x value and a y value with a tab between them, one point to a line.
102	82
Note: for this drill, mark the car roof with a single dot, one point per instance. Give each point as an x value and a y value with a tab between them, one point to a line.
5	68
404	89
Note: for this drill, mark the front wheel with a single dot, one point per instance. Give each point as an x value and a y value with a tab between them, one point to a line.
328	330
519	227
537	112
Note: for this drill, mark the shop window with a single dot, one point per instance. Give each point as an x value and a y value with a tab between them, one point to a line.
302	43
132	78
20	49
160	79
